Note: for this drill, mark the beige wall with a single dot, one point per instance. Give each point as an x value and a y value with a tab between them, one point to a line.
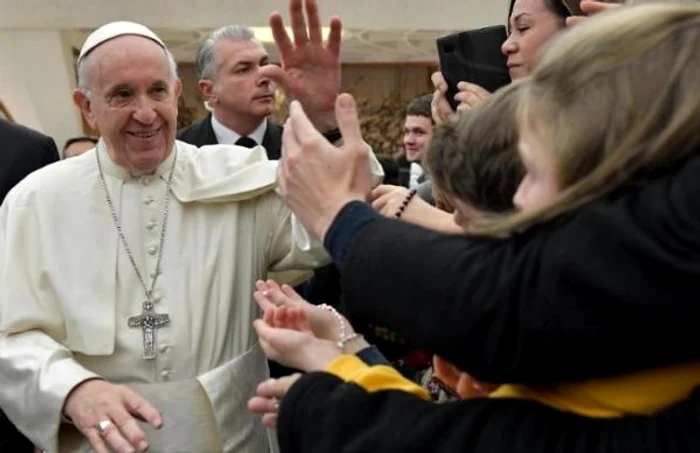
382	91
36	81
366	14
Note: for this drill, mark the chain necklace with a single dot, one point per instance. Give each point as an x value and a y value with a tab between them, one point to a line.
148	304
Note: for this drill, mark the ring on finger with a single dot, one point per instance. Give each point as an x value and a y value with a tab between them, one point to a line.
276	403
102	426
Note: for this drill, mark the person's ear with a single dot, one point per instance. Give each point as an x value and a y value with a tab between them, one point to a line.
83	102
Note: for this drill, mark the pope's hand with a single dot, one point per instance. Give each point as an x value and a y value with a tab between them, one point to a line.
270	393
117	408
310	71
317	179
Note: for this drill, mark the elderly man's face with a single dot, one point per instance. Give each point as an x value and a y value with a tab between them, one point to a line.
132	101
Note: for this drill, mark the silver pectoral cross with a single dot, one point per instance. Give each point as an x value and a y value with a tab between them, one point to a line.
149	321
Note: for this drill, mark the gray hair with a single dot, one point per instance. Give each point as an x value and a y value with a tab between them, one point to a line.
206	63
84	70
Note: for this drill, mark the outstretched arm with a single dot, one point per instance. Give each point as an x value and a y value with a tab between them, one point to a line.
322	413
544	306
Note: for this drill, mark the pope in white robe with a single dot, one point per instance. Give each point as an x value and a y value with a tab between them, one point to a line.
69	288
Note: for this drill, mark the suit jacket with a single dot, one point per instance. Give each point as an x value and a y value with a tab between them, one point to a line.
201	133
22	150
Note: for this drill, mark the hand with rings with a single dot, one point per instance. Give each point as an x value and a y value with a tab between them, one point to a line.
106	414
103	426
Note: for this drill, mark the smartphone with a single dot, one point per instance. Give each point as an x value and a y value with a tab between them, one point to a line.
473	56
574	7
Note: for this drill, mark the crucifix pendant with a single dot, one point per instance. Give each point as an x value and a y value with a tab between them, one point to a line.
149	321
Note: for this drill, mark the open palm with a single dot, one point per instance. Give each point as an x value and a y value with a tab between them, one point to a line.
310	71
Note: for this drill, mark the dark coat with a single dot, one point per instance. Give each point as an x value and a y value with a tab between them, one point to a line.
201	134
22	150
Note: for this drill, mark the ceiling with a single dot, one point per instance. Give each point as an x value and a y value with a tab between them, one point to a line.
359	46
188	14
374	31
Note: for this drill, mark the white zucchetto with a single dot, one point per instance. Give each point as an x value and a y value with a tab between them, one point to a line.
113	30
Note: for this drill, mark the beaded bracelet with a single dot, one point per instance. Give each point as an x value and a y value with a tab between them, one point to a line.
343	337
409	196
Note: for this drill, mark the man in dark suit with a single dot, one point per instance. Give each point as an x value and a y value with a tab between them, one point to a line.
240	98
22	151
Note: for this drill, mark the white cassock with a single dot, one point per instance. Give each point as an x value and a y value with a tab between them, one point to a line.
67	289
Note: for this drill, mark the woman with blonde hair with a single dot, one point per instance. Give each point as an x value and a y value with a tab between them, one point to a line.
610	114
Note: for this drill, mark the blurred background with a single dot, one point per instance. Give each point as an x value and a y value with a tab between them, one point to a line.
388	51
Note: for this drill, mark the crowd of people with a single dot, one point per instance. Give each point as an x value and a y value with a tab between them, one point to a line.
525	283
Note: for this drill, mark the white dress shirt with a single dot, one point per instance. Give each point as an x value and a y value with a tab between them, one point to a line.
226	136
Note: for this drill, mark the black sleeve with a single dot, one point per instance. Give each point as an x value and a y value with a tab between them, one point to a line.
322	414
11	440
50	152
610	289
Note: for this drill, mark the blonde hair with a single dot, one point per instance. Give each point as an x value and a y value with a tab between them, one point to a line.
614	101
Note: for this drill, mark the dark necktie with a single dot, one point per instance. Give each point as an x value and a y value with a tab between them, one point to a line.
246	142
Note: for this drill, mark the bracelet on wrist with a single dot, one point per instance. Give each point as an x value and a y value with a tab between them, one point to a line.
344	337
342	343
409	196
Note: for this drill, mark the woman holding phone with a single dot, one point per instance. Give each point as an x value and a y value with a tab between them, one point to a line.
531	25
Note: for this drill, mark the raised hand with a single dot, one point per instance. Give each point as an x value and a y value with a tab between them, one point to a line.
590	8
470	95
106	415
315	178
440	107
310	71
